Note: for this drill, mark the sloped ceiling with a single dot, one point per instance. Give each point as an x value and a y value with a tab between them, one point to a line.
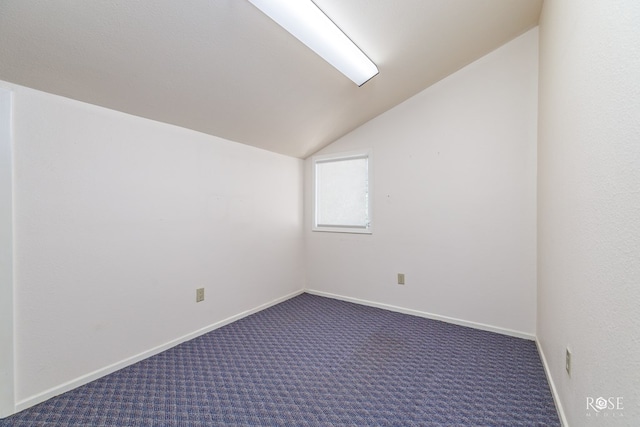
224	68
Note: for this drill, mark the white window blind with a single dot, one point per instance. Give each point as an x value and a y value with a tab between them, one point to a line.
342	189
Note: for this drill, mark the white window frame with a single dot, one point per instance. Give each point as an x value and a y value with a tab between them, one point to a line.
324	158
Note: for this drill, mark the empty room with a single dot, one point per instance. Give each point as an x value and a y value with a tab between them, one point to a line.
327	212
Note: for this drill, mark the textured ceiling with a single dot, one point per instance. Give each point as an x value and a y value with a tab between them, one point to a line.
224	68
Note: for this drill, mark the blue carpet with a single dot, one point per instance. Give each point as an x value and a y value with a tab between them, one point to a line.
313	361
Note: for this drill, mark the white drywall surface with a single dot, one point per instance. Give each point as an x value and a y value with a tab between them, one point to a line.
119	219
7	399
589	206
454	176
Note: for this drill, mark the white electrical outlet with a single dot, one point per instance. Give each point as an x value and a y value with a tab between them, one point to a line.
400	278
568	361
199	294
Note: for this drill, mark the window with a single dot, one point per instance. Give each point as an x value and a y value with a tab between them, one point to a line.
342	189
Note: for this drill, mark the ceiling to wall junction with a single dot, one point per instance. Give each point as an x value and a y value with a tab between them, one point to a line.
224	68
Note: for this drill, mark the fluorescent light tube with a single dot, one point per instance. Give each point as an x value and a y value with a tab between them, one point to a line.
311	26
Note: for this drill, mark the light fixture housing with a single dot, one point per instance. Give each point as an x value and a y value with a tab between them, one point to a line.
304	20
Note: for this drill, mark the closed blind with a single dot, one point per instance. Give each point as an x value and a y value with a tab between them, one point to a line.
342	193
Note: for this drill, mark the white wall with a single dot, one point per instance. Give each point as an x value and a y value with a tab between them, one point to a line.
589	204
119	219
6	257
454	200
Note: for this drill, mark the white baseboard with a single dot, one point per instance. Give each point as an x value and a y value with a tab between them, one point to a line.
85	379
554	391
453	320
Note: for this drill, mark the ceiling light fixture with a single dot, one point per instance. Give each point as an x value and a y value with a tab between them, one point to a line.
304	20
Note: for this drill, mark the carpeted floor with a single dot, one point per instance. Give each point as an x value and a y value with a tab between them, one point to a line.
313	361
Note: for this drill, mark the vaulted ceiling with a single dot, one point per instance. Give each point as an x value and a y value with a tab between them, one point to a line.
224	68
